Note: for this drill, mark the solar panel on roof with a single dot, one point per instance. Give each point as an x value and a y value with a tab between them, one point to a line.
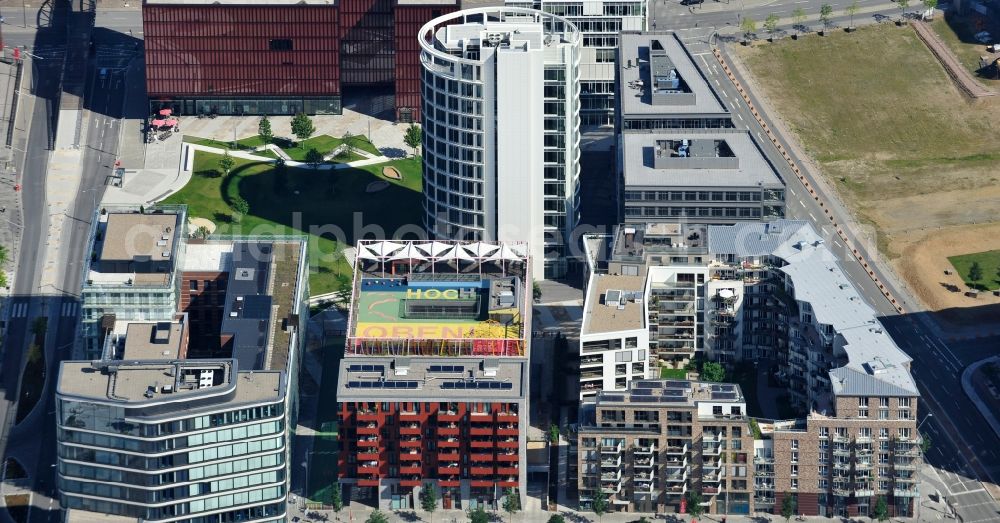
446	368
649	384
366	368
723	395
677	384
671	399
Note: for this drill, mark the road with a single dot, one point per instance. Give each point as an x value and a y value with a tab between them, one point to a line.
964	449
55	64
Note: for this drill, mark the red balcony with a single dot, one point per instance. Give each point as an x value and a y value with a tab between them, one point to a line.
366	416
509	482
482	471
507	444
481	431
367	430
411	443
362	469
409	482
450	482
409	456
410	469
410	416
449	471
409	431
367	482
482	456
368	442
444	415
448	456
507	471
508	457
507	431
448	431
481	483
451	443
368	455
480	444
506	417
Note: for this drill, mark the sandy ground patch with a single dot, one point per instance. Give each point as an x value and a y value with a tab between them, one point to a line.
925	258
196	223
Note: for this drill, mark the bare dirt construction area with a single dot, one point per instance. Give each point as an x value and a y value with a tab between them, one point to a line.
906	151
926	253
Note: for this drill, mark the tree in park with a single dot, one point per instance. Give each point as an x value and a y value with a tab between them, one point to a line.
556	518
241	206
264	130
881	510
771	23
930	4
694	506
511	503
852	10
825	12
413	138
280	176
749	26
478	515
314	157
348	140
600	503
713	371
975	274
903	4
429	498
798	16
377	517
788	506
336	501
226	163
302	128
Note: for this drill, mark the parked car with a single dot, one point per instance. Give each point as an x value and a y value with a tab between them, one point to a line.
983	37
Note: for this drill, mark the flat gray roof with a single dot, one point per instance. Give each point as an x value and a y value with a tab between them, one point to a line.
432	379
154	341
634	48
128	236
152	383
600	317
672	393
639	153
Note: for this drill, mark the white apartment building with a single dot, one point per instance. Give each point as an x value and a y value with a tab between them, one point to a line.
600	22
501	95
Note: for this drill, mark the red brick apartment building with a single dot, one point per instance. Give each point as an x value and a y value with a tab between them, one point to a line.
433	386
282	56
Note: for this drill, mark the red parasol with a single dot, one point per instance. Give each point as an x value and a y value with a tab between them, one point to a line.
165	112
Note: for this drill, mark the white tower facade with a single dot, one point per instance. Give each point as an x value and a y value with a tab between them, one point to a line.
501	116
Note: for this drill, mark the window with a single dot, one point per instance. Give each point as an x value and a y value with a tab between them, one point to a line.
904	403
795	456
605	55
280	44
795	483
194	285
883	403
824	432
795	470
795	444
883	433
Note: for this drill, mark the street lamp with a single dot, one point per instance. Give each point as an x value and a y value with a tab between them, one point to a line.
927	417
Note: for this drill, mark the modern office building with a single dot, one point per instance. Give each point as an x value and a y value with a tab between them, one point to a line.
235	57
600	23
433	386
501	130
773	292
132	273
149	431
649	447
680	155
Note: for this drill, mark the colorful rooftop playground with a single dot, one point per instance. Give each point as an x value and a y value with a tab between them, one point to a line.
440	299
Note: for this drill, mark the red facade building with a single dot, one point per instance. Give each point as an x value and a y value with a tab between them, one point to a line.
237	57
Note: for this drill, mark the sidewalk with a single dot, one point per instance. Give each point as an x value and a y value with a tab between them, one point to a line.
970	391
10	200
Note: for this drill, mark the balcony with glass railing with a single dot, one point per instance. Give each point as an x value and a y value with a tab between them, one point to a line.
676	449
611	462
713	474
647	462
612	449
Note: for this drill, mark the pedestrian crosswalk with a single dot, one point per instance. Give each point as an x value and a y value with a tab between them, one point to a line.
19	310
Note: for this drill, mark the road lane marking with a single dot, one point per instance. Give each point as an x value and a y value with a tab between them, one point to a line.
741	116
813	217
802	204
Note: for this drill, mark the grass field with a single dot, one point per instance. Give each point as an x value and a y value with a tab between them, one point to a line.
887	128
957	33
673	374
322	203
325	144
989	263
